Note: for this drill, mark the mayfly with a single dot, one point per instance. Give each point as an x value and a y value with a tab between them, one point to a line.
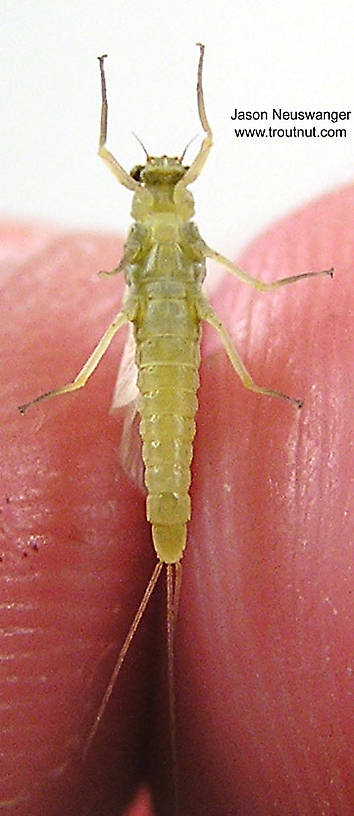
164	264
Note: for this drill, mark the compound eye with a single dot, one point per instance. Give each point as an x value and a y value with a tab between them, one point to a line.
135	173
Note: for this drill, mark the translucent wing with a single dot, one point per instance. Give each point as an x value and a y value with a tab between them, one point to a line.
125	396
126	390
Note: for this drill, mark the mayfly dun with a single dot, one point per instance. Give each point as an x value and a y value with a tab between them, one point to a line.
164	264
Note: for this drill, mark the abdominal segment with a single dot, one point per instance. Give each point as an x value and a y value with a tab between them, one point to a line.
168	358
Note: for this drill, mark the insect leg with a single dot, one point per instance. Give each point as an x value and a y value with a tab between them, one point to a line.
197	165
123	263
89	366
262	286
206	312
111	162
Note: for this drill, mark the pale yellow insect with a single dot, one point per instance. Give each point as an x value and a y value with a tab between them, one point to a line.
164	264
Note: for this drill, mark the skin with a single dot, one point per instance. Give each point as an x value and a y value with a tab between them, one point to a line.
264	639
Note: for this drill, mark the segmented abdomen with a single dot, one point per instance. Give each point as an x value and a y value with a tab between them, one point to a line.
167	356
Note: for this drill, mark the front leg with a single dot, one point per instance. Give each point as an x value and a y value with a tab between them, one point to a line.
111	162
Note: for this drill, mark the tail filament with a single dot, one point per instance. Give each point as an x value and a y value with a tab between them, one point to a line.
122	655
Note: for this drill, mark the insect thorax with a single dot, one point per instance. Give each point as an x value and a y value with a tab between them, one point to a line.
163	242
